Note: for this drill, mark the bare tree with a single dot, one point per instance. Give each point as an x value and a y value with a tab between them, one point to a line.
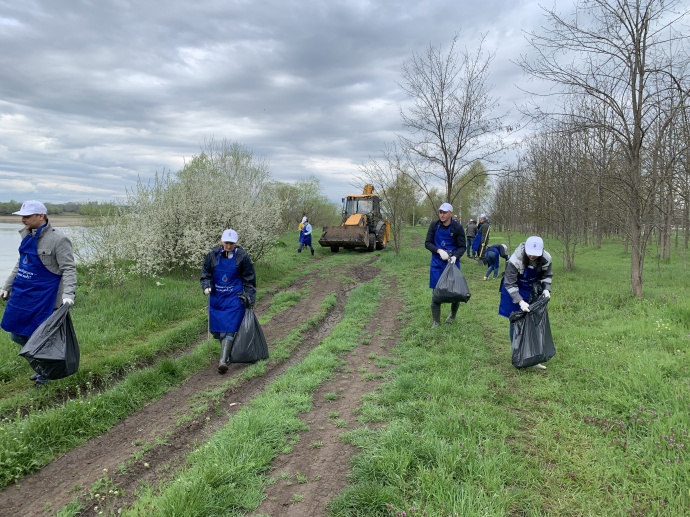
617	53
451	122
397	192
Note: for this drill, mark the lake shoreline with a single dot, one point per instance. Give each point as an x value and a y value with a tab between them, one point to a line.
55	220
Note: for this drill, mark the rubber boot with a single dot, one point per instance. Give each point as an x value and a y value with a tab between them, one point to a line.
225	347
436	314
453	311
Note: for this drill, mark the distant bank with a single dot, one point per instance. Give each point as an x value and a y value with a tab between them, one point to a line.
56	220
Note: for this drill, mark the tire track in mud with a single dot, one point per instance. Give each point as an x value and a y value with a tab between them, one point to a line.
156	425
316	469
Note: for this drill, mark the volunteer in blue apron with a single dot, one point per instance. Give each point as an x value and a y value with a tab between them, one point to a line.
228	278
305	236
528	274
44	277
446	241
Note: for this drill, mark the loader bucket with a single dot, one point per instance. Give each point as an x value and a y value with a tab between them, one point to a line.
344	236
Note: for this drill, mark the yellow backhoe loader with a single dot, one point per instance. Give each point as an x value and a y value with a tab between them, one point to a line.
363	225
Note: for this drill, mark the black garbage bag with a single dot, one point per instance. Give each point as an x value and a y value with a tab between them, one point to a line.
53	350
250	344
451	287
532	340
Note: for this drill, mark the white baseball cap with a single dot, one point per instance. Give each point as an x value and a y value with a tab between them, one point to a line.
31	207
534	246
446	207
229	236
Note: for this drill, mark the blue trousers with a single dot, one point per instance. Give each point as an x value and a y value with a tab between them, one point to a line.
492	259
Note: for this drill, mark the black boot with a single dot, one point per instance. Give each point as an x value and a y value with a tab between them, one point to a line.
453	311
436	314
225	347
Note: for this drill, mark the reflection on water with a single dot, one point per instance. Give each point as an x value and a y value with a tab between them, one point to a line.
9	245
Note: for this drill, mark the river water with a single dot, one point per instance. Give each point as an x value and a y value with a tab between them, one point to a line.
9	246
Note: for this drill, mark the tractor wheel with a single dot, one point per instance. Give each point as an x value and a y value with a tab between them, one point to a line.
335	249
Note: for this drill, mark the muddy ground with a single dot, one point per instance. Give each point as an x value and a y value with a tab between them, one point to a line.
152	443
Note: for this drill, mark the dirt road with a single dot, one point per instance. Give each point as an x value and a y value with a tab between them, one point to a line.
152	442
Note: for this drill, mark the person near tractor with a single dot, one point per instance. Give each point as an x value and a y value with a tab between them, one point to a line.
305	236
446	241
493	256
470	232
44	278
229	280
528	274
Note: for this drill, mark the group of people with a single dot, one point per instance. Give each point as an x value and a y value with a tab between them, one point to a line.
45	276
528	271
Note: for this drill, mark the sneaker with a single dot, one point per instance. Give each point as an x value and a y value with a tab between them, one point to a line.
40	381
222	368
540	366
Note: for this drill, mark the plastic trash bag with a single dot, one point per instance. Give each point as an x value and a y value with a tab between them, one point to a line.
451	286
53	350
250	344
532	341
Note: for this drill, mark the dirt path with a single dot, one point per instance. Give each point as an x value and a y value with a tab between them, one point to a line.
153	433
316	468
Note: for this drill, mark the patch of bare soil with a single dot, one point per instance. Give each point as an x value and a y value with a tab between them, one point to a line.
154	436
316	468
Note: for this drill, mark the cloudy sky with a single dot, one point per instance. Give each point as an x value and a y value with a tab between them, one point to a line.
96	93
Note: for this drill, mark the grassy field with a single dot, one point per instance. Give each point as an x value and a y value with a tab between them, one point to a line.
455	429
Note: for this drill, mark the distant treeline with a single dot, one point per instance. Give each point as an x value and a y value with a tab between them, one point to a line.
89	208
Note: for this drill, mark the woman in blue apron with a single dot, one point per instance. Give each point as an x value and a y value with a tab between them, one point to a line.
528	274
446	241
229	279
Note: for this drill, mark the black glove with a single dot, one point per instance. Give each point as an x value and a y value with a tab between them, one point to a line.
246	301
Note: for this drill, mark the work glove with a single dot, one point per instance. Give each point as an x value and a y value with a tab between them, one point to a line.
452	259
68	301
4	294
524	306
246	301
443	254
207	291
546	293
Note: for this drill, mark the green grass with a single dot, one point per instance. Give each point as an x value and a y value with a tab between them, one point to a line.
604	431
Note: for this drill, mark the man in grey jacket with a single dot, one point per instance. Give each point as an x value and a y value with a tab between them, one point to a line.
44	277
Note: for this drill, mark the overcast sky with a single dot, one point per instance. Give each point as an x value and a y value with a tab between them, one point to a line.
95	93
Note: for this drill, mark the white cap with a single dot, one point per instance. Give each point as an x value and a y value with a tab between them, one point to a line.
304	219
446	207
31	207
534	246
229	236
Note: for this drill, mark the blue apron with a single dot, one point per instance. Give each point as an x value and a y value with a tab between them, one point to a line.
225	308
524	283
305	238
34	290
444	240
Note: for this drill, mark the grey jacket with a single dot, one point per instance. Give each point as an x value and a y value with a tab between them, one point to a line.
515	267
55	250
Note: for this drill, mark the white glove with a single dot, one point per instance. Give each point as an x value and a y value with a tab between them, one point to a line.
443	254
546	293
68	301
524	306
4	294
207	291
452	259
